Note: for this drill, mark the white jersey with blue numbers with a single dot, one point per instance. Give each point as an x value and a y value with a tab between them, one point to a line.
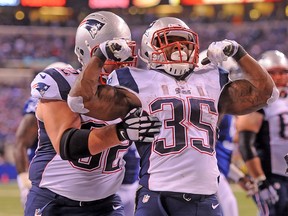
272	139
182	157
86	179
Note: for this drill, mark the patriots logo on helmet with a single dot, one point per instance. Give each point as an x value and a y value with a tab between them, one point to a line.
150	26
93	26
41	88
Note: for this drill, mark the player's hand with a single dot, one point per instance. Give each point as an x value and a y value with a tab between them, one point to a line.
249	185
116	50
24	185
138	126
267	192
219	51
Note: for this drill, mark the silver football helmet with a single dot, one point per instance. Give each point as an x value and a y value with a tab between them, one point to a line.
58	65
276	63
273	59
156	39
97	28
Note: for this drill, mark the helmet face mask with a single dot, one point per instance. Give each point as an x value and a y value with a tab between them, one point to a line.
97	28
170	45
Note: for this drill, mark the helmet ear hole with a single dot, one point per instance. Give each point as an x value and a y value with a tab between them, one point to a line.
81	51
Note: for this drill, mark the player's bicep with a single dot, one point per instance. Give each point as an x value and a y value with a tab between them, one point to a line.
239	98
108	103
57	118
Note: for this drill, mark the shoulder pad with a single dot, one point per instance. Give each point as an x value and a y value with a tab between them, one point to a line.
224	76
53	83
124	78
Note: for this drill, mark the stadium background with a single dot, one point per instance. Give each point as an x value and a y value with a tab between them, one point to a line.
35	33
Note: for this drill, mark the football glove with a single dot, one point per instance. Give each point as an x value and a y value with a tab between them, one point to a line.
24	185
267	192
116	50
138	126
219	51
249	185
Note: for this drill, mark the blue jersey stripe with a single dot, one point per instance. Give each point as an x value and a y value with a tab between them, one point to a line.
223	76
126	79
62	83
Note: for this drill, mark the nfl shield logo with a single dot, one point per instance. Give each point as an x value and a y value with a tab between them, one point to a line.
145	198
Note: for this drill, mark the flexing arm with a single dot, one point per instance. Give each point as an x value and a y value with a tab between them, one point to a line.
253	91
87	96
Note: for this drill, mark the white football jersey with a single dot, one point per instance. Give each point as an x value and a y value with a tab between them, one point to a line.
182	157
276	116
86	179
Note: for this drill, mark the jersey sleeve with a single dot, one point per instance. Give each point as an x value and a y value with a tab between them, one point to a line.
51	84
224	76
123	78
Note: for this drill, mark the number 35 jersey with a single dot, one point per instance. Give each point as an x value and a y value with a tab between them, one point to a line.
86	179
182	157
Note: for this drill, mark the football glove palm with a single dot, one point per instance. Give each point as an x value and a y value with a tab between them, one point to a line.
138	126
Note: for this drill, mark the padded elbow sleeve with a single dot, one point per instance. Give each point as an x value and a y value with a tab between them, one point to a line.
76	104
246	145
74	144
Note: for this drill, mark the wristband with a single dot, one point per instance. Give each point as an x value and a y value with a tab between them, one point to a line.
240	53
121	133
98	53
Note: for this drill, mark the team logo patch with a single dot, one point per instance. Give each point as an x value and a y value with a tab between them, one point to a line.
93	26
41	88
145	198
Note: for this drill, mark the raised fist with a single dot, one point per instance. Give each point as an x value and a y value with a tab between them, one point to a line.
116	50
219	51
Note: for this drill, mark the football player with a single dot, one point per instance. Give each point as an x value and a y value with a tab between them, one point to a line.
78	167
179	173
263	139
26	141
